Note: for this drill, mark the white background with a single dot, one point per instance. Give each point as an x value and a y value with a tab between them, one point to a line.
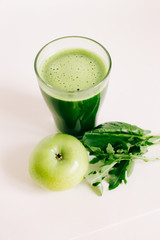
130	30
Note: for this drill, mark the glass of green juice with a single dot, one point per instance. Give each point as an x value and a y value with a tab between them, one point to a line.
73	74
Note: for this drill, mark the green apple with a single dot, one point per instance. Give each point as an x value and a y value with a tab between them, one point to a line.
58	162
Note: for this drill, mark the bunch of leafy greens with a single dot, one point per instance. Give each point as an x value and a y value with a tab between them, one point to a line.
115	146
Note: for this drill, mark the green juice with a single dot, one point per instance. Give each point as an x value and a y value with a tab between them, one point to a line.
73	71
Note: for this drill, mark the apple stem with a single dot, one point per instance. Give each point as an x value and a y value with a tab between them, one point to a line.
59	156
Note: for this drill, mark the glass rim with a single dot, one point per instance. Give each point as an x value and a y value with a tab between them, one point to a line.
73	92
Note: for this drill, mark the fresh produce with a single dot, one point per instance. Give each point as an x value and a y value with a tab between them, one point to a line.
58	162
115	146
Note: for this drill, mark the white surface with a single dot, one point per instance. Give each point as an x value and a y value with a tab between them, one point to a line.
130	30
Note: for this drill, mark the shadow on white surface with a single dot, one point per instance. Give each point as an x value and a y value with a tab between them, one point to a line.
26	109
15	166
25	120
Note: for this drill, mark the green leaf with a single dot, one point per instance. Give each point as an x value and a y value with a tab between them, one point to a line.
95	177
120	127
96	184
110	149
117	174
115	147
94	160
101	140
143	149
95	150
130	168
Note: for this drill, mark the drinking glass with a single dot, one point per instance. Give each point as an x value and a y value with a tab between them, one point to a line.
74	112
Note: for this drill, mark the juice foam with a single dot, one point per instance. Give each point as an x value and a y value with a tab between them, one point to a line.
73	70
